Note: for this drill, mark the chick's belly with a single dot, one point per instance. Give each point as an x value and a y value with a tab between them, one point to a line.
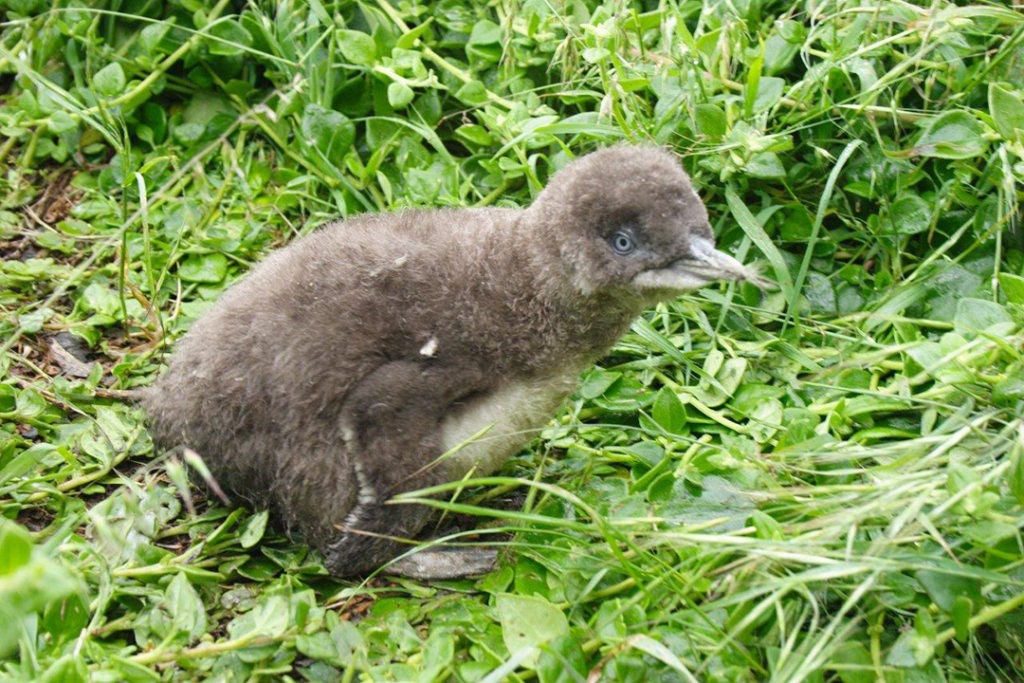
512	416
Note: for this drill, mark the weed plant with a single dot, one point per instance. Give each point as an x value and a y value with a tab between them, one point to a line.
821	484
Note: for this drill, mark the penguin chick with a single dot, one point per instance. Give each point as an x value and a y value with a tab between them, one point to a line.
335	374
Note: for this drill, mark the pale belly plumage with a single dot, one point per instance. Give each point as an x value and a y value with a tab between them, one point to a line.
508	417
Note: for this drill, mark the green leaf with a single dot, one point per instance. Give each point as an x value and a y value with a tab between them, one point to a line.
1015	475
204	107
253	529
626	395
29	588
228	38
766	526
963	608
910	215
753	228
779	52
438	653
559	659
70	668
595	55
765	165
1010	389
25	8
662	488
472	93
15	547
151	35
8	399
188	133
769	92
751	394
528	622
320	646
485	32
711	120
30	404
1007	111
647	452
597	382
186	608
989	532
978	315
721	380
655	649
99	298
945	587
328	131
474	134
408	39
400	95
765	420
911	650
1013	287
357	47
65	618
668	411
959	477
852	661
484	44
952	135
61	122
109	81
208	268
270	618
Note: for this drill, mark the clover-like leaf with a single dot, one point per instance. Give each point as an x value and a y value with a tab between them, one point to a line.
952	135
109	81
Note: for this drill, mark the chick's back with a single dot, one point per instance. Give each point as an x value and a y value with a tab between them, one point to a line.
256	385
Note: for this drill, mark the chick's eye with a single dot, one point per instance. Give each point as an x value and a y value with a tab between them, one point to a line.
622	243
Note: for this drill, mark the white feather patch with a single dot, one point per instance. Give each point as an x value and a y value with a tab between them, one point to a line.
430	348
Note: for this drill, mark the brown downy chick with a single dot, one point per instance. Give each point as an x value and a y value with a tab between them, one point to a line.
335	374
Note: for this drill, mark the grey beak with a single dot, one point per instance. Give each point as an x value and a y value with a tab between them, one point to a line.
716	264
721	266
704	265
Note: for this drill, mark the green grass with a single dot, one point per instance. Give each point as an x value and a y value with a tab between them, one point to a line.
823	484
